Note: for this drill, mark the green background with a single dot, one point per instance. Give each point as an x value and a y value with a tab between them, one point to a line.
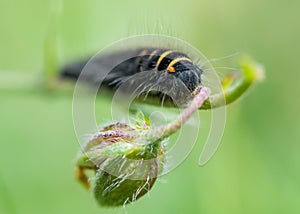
256	169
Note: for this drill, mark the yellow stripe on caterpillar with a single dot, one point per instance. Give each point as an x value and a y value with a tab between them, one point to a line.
170	67
162	56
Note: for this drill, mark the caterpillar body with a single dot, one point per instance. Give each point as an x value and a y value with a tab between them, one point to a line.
162	74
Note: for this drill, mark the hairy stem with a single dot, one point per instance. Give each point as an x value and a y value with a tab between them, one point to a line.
162	132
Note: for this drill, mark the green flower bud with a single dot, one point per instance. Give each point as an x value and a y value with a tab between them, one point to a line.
127	159
125	162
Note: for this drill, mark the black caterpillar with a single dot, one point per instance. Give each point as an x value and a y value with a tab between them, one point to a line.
158	73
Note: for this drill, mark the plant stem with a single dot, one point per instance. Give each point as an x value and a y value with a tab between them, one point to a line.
51	47
252	73
165	131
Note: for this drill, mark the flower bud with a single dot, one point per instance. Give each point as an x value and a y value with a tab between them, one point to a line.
125	162
127	159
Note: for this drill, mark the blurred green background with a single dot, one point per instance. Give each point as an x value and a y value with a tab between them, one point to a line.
257	167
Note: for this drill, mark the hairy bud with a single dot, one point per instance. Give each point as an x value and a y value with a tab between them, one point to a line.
127	159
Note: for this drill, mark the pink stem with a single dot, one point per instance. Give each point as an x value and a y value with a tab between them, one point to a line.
161	132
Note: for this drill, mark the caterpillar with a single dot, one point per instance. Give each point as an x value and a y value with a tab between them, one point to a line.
162	74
